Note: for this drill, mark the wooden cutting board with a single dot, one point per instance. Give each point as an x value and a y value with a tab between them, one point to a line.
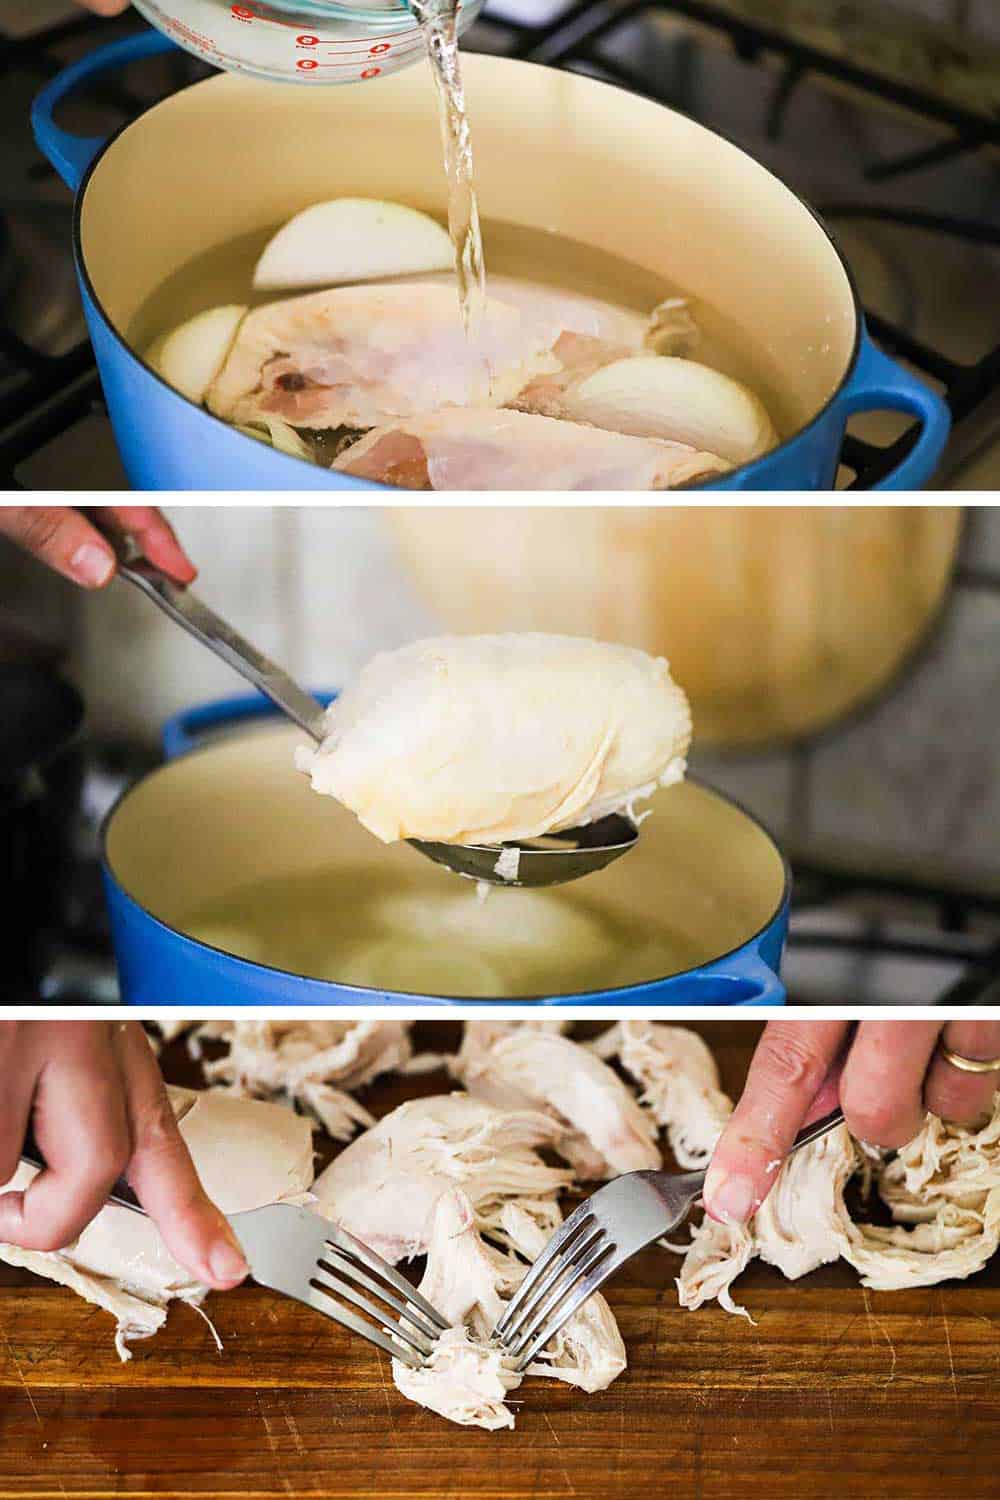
836	1392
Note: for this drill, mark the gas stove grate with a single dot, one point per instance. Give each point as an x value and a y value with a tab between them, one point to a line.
41	396
576	38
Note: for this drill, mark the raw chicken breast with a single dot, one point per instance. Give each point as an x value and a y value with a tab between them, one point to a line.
480	449
383	1188
604	1130
567	312
482	739
366	355
247	1154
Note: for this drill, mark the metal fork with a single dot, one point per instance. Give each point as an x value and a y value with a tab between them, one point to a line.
596	1240
294	1251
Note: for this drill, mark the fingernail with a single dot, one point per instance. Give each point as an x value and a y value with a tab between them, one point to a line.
91	565
729	1197
227	1262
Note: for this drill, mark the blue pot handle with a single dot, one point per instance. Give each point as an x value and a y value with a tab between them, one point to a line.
70	154
751	980
749	968
881	384
186	730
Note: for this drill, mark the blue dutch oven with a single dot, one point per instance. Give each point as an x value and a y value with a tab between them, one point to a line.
227	809
233	157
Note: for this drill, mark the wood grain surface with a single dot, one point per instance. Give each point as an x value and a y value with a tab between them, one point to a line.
836	1392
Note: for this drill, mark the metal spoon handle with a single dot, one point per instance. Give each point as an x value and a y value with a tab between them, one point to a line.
187	610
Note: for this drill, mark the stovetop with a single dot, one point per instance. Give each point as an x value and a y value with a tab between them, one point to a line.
888	125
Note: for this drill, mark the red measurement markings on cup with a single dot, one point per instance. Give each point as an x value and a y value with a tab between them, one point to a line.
194	39
348	58
310	65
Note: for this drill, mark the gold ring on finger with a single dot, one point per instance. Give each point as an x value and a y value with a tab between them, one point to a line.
970	1064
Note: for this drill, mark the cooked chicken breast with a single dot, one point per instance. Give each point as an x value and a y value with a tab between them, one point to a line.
247	1154
604	1131
468	1378
302	1062
481	739
679	1081
384	1187
943	1189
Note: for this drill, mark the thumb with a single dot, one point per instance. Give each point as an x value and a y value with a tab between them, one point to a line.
163	1176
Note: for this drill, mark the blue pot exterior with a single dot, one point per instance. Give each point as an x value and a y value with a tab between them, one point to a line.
169	444
160	967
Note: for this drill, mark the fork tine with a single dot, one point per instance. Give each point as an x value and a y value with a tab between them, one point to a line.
344	1266
415	1340
568	1256
332	1309
342	1239
565	1232
584	1291
539	1315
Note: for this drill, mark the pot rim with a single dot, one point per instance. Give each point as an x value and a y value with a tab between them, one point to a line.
617	995
741	472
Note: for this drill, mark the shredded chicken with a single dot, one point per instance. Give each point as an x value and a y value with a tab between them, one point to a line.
302	1061
460	1177
384	1186
468	1378
680	1084
943	1190
603	1130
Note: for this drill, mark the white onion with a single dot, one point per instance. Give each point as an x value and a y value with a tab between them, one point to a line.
349	240
190	356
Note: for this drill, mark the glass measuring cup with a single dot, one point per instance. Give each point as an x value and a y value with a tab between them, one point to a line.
305	41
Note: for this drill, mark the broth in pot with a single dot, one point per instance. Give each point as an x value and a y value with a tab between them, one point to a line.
230	846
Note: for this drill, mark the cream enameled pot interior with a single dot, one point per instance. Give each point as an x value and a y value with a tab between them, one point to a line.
190	840
554	152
